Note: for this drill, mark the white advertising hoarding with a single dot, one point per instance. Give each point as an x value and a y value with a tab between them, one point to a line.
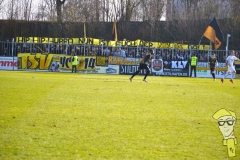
8	63
110	69
207	74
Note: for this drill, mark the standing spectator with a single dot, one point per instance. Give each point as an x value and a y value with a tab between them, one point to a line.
61	50
18	48
138	55
123	53
73	51
78	50
82	51
223	58
180	57
7	50
27	49
193	63
187	56
168	57
133	53
53	49
237	55
201	57
164	57
87	51
207	55
126	51
57	50
45	48
24	48
116	52
95	51
106	51
174	57
15	49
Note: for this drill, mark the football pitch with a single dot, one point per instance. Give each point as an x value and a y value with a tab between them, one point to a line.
46	115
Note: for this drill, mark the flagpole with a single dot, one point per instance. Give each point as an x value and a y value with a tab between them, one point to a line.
200	41
199	45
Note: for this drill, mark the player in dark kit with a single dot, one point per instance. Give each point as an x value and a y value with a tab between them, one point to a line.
143	65
213	63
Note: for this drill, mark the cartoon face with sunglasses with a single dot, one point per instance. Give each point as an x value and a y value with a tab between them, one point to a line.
226	122
226	125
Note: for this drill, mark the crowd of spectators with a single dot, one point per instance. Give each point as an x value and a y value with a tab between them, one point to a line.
12	49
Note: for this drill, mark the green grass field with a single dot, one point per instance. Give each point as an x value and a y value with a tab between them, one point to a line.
45	115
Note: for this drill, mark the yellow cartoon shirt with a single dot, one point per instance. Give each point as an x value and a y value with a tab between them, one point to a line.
230	143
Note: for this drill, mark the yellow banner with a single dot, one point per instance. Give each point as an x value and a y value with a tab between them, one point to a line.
44	61
99	42
86	63
101	61
123	61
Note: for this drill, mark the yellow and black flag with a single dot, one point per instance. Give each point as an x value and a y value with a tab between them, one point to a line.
114	32
214	33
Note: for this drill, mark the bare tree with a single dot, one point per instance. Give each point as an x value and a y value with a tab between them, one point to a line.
1	4
131	5
49	7
151	10
198	9
59	4
27	4
105	10
18	9
235	8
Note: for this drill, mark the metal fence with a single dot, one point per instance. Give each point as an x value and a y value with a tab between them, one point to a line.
8	48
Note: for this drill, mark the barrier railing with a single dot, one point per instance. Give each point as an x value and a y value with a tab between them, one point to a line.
11	48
